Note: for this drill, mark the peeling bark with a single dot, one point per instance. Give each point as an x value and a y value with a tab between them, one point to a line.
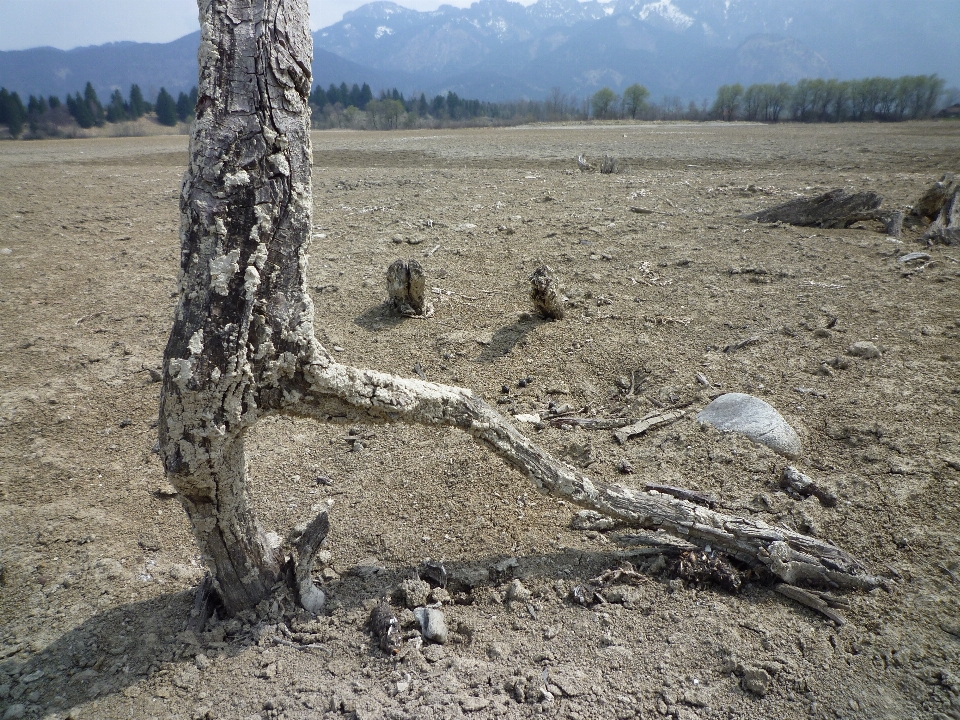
243	346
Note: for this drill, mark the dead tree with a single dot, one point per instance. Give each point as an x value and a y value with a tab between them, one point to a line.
243	347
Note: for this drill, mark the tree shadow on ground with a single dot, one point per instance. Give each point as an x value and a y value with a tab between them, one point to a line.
379	317
122	646
507	338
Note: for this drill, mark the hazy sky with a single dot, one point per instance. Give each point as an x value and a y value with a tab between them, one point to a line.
68	24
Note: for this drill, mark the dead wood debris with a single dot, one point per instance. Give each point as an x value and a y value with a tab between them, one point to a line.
609	165
733	347
940	205
406	284
308	545
701	567
798	486
626	573
835	209
651	421
386	628
682	494
820	601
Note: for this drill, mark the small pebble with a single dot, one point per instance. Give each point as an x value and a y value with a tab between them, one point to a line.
864	349
516	591
432	624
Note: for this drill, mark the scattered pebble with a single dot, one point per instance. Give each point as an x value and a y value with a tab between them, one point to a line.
757	681
864	349
415	593
752	417
433	625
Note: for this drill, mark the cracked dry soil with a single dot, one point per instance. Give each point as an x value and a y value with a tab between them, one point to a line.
99	568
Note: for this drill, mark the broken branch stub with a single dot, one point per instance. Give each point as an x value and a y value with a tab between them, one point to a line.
546	293
243	346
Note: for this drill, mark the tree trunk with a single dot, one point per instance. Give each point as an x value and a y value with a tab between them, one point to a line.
244	321
242	344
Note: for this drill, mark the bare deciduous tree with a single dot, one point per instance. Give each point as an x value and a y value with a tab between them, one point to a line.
242	345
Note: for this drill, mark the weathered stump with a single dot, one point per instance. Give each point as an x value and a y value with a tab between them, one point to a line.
834	209
941	204
406	287
546	293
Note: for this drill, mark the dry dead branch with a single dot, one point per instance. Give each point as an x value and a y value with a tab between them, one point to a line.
243	346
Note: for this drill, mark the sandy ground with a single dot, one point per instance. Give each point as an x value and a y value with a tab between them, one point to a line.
98	564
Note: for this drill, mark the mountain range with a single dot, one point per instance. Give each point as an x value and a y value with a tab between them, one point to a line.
501	50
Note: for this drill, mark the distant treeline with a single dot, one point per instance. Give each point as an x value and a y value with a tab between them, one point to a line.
910	97
883	99
872	99
357	107
44	117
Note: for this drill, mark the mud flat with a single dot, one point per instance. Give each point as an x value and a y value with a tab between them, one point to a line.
673	301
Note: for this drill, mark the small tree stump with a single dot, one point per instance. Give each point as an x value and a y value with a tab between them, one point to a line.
406	286
941	204
609	165
546	294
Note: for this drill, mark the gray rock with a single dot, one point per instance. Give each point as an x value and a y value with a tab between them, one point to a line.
865	350
757	681
516	591
914	257
14	712
753	418
432	624
415	592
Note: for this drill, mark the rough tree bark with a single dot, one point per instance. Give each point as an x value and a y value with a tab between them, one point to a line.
243	347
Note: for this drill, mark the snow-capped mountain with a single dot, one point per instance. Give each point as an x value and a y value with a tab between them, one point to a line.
686	48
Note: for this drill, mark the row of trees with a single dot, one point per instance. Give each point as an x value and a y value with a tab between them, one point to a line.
887	99
910	97
45	116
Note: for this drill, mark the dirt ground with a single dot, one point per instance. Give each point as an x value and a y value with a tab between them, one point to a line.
99	568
